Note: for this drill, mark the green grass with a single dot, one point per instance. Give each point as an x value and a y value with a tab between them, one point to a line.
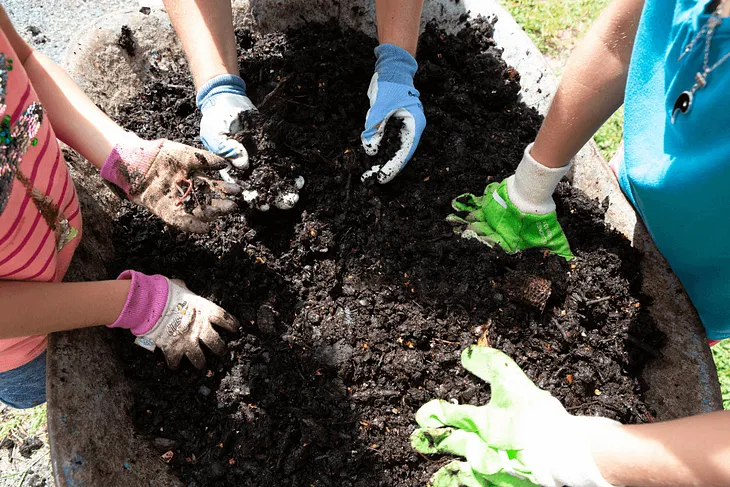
609	136
721	354
552	24
22	423
555	27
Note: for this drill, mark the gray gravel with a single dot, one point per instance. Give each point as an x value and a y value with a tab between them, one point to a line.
49	25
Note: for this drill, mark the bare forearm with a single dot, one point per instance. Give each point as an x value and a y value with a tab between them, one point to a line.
76	120
37	308
687	452
399	22
205	28
592	86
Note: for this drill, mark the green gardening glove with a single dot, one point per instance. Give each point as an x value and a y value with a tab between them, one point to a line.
516	214
523	437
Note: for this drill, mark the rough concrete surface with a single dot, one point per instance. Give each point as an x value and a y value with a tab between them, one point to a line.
48	25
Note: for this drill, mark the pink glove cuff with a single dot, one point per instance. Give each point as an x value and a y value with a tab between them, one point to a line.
129	162
145	303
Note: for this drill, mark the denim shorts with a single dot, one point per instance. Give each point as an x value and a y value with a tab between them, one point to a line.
25	387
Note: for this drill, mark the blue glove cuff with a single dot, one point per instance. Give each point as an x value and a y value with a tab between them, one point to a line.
225	83
395	65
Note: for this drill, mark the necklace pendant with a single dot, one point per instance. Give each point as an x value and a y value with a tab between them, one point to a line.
682	105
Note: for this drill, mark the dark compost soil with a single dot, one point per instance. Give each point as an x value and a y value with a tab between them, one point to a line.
355	304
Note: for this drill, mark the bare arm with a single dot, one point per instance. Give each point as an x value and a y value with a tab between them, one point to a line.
399	23
205	28
687	452
593	85
38	308
74	117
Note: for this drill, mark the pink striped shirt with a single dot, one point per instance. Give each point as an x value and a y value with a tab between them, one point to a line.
34	245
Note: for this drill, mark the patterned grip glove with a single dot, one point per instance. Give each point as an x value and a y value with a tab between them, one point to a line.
392	94
523	437
516	214
167	315
160	175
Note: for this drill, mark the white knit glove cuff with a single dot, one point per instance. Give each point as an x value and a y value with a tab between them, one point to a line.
573	463
532	185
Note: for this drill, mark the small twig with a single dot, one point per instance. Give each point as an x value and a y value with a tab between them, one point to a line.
300	103
27	470
584	405
348	189
441	237
596	301
557	325
174	87
426	458
270	95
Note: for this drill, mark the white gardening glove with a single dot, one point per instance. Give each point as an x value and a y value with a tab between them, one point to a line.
165	314
227	111
521	438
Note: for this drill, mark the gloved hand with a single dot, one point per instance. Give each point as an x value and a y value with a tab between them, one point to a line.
167	315
516	214
226	111
392	94
160	175
522	437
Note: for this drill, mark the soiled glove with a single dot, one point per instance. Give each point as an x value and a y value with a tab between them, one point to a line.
516	214
226	111
522	437
392	94
165	314
160	175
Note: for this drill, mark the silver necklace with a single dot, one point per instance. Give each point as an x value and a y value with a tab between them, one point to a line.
685	99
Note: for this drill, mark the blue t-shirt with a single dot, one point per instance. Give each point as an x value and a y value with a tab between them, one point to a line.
678	176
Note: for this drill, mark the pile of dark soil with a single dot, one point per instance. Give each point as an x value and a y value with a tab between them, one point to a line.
355	305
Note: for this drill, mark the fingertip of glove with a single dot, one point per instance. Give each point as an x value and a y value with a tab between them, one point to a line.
370	148
370	142
241	162
386	175
425	414
191	224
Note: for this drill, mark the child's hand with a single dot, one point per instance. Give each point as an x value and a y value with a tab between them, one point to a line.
226	111
392	95
163	176
167	315
516	214
522	438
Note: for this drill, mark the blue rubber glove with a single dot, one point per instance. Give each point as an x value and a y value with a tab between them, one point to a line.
392	94
226	111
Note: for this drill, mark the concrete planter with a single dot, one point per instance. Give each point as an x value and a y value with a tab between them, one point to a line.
93	442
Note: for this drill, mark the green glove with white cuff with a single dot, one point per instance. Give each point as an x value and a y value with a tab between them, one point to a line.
516	214
523	437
